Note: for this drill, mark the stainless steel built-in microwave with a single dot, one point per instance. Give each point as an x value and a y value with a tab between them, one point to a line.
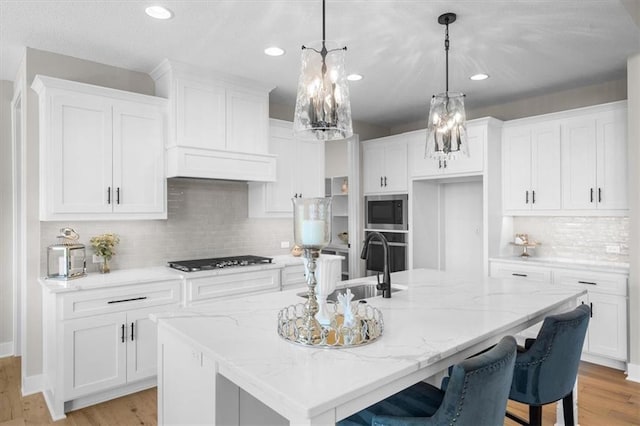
387	212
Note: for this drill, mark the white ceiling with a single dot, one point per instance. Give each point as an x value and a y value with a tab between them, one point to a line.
529	47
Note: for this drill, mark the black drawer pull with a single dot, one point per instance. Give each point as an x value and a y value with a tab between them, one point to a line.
519	275
127	300
122	335
132	332
587	282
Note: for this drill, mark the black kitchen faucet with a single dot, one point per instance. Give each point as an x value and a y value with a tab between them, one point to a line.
385	285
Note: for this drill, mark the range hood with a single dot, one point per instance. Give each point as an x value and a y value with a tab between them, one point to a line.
218	124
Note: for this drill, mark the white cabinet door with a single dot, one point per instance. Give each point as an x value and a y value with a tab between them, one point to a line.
200	115
385	165
395	167
579	164
299	173
516	166
594	162
531	165
94	354
310	170
247	122
545	191
475	161
138	158
419	166
142	347
373	167
612	160
608	326
78	156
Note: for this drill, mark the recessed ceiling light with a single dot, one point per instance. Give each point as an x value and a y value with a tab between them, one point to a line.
354	77
274	51
478	77
159	12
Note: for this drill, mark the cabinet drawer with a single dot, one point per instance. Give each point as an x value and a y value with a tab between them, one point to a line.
293	276
122	298
594	282
525	272
204	289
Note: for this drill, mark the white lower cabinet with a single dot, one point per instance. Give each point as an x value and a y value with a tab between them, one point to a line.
293	276
607	336
204	288
100	343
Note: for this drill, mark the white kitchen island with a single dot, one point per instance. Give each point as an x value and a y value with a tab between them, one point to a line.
224	363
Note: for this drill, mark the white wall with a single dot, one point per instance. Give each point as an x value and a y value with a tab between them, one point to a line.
6	214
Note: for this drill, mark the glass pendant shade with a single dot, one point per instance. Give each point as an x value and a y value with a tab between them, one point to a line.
323	110
312	222
446	131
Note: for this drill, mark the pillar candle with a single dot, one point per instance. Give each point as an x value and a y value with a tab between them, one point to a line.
312	233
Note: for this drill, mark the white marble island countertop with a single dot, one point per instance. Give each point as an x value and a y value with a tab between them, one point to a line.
440	319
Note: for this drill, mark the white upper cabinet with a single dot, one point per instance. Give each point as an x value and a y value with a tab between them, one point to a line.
300	173
421	167
594	161
531	167
218	124
101	152
385	165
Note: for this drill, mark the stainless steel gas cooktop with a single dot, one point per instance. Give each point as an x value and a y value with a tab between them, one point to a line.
217	263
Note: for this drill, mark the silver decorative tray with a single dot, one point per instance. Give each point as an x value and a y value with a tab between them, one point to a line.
367	327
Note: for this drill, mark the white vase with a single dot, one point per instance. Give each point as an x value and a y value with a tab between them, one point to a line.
327	270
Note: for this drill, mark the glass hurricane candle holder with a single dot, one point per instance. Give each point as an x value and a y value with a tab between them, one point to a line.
312	232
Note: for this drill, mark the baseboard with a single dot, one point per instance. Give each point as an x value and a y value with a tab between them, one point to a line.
6	349
607	362
32	384
633	372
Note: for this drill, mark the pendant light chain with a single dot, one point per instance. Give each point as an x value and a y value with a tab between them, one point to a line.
446	55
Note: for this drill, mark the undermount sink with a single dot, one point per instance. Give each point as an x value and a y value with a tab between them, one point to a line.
359	291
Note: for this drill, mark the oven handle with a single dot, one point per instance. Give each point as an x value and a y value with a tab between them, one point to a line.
394	244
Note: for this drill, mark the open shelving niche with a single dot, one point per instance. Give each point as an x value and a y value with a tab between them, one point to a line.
339	219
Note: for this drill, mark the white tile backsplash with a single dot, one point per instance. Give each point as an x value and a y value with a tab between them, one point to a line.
576	238
206	218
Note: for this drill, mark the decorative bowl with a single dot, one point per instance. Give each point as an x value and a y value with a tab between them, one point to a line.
344	237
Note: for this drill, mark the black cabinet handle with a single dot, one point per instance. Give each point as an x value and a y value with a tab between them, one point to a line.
109	195
599	195
380	181
301	195
122	333
591	196
519	275
533	197
126	300
526	197
385	181
118	195
132	331
444	162
587	282
591	306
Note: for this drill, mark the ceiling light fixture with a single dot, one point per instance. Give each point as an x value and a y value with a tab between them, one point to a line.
354	77
159	12
479	77
273	51
446	131
323	110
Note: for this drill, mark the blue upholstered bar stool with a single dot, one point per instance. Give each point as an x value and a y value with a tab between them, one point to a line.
476	394
546	370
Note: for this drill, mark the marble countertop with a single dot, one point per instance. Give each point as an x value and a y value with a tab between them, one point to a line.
596	266
438	317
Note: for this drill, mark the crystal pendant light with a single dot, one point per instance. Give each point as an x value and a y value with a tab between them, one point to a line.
446	131
323	110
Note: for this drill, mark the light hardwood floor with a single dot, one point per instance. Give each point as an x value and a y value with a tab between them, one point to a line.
605	399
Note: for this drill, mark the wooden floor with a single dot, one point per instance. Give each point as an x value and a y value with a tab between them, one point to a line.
605	399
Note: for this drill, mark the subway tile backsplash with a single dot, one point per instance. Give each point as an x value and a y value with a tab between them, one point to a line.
577	238
206	218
